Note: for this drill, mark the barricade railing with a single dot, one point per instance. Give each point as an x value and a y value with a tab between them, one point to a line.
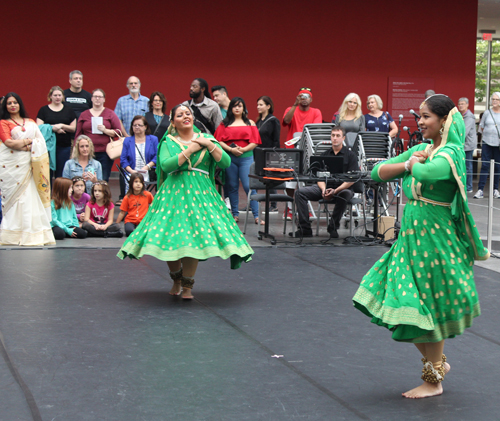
490	206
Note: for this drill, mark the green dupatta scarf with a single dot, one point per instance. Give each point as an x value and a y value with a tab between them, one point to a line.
169	138
452	148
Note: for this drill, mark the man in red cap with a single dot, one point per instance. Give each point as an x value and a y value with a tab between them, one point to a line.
295	119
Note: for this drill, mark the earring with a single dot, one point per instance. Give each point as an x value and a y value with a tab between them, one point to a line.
441	130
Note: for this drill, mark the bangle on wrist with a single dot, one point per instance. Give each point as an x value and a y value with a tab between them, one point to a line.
408	162
182	152
212	149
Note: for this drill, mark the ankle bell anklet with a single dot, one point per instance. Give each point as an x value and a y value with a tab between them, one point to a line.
176	276
433	373
187	282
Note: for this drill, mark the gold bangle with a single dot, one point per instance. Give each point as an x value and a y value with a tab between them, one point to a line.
182	152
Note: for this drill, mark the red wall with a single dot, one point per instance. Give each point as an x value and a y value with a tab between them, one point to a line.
254	48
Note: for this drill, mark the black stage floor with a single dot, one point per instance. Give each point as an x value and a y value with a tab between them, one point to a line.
94	338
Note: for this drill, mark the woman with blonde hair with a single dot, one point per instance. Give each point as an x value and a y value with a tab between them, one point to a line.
349	116
378	120
82	163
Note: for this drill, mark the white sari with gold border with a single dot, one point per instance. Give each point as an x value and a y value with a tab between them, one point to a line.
24	182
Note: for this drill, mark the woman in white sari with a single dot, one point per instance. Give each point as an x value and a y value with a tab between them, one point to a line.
24	178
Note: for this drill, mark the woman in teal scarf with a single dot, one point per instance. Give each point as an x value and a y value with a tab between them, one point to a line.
423	289
188	221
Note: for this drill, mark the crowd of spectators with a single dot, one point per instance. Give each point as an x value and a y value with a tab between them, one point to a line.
78	127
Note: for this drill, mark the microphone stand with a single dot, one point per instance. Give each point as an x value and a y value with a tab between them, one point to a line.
397	223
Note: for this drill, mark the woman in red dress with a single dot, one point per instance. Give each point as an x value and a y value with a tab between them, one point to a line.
238	136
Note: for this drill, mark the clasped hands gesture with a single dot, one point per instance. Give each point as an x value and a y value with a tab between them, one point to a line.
57	128
89	176
202	142
421	155
328	194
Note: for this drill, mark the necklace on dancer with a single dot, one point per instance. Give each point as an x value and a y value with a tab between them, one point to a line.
185	142
20	125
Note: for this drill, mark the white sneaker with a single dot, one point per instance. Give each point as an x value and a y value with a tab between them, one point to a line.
227	202
496	194
479	194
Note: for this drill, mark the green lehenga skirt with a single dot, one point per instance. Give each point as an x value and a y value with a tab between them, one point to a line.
423	288
188	218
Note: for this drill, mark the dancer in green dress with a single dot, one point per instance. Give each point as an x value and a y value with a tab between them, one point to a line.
423	288
188	221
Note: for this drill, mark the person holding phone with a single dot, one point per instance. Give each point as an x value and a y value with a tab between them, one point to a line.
295	118
238	136
82	164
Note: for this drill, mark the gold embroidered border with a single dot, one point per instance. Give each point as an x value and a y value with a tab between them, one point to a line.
390	315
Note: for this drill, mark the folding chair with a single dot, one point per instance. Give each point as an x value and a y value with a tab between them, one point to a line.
149	185
376	147
358	188
353	143
255	184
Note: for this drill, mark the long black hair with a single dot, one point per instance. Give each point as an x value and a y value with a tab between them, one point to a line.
230	116
4	113
440	104
204	84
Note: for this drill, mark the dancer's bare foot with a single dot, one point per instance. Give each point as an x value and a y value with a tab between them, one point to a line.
447	368
426	390
176	288
186	294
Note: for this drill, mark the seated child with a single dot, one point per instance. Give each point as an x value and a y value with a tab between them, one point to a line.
79	198
64	221
135	204
99	213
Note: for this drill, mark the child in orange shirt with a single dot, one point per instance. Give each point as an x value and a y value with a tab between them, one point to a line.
135	204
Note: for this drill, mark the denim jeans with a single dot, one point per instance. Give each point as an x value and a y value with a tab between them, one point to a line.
239	170
106	164
469	168
62	155
487	153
